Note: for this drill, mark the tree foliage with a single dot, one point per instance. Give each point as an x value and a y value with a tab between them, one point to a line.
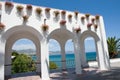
22	63
113	46
14	53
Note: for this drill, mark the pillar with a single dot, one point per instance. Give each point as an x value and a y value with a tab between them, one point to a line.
97	51
63	56
8	52
83	55
44	60
78	68
38	55
101	57
100	23
2	56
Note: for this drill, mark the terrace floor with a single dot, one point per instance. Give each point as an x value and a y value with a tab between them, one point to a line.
91	73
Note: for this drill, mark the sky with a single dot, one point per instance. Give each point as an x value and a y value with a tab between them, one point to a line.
109	9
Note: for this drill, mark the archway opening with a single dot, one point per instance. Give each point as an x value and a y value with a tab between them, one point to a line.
23	57
70	57
54	55
90	51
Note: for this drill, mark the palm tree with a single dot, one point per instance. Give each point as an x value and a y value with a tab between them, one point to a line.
113	46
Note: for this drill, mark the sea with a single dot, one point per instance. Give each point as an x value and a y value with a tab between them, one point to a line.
91	56
70	59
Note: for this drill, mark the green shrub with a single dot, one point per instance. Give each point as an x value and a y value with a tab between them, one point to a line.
23	63
53	65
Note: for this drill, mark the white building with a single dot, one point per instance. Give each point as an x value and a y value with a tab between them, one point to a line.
40	24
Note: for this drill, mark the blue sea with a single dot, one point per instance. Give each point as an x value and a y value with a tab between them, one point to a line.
91	56
70	58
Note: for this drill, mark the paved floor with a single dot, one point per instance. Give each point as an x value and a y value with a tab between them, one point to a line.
27	78
88	74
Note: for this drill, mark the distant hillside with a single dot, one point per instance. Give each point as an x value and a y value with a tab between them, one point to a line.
32	52
27	51
59	52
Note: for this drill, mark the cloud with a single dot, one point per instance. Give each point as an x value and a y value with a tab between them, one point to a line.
54	45
90	45
89	39
23	46
69	46
27	44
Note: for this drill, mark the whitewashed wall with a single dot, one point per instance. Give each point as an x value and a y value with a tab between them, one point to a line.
15	26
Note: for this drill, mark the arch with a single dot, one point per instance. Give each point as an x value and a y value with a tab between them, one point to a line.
62	34
16	33
87	33
83	36
24	44
22	28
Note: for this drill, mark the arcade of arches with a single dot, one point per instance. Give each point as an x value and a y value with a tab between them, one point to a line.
76	30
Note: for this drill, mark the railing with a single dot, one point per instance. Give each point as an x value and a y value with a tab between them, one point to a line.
69	63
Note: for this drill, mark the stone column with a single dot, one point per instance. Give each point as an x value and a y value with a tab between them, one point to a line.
97	52
83	55
78	68
44	60
62	46
2	56
8	52
38	55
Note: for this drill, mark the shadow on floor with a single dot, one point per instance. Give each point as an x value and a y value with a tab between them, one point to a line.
88	74
24	76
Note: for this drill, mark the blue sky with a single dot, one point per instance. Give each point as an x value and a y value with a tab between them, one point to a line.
109	9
